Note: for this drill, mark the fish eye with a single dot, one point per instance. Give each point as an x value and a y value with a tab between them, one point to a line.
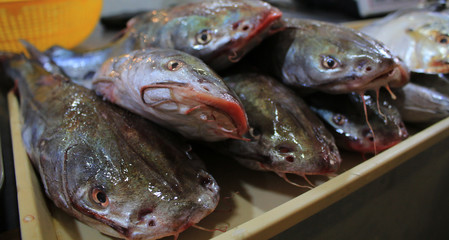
100	197
174	65
329	62
339	119
442	39
203	37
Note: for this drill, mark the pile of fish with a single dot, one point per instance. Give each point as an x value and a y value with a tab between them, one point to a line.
109	129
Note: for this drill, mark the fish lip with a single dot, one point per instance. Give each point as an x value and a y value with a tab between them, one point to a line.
234	46
229	107
361	84
437	66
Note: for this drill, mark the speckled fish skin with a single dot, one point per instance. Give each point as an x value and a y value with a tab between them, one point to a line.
345	118
219	32
107	167
331	58
421	104
286	136
173	89
419	37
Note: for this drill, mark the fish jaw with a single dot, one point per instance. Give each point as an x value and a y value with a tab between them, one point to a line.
397	76
221	113
265	25
242	35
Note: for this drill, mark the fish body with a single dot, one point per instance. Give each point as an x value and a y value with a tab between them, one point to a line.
419	37
286	136
109	168
332	58
421	104
344	115
174	89
219	32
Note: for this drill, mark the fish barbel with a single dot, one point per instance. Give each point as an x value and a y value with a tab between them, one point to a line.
219	32
107	167
332	58
344	116
175	90
419	37
286	137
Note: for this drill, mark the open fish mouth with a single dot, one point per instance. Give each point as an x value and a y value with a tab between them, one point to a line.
223	112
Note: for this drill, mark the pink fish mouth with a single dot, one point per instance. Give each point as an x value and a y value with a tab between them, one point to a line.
223	107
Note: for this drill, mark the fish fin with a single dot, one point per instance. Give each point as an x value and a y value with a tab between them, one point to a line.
45	61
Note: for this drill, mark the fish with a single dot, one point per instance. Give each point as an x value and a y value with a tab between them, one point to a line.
436	82
344	116
220	32
286	136
169	87
421	104
321	56
420	37
107	167
175	90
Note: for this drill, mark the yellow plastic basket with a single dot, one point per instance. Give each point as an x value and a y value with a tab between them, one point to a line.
45	23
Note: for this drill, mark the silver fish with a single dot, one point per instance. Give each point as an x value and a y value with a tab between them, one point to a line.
419	37
175	90
332	58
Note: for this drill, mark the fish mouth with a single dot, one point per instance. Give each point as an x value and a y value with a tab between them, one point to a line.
437	66
269	22
223	107
361	84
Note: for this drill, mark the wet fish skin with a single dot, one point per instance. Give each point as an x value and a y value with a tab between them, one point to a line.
109	168
230	29
332	58
174	89
344	116
419	37
286	136
421	104
218	32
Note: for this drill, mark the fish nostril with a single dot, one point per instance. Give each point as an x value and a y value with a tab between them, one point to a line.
143	213
206	182
152	223
206	88
283	149
368	69
289	159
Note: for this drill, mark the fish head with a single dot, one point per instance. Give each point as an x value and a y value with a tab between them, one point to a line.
185	93
348	123
220	32
284	139
136	199
431	44
337	59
